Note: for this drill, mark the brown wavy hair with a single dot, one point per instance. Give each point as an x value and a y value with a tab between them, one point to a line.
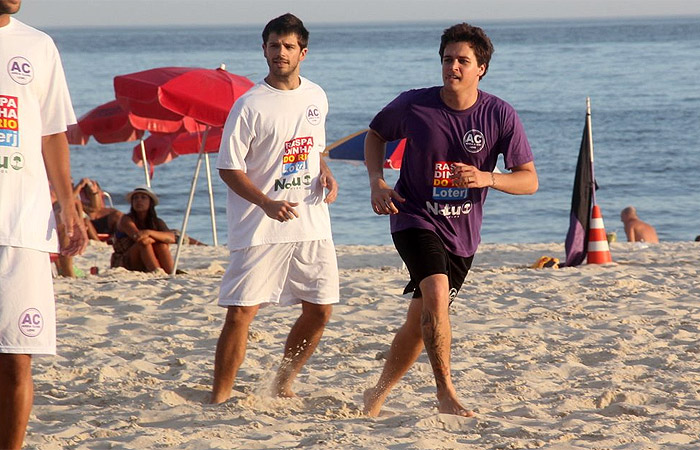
475	37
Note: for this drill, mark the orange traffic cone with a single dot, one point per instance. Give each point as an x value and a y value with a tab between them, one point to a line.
598	249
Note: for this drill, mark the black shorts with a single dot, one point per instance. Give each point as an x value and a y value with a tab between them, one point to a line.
424	254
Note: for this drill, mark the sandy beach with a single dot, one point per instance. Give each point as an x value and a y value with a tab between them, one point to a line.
593	357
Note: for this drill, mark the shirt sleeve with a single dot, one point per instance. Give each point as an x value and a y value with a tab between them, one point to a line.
321	146
235	140
515	146
56	107
388	122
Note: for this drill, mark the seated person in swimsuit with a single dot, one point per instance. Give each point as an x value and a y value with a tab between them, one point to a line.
636	229
103	219
142	241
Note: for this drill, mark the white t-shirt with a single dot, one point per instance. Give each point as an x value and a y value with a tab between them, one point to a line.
34	102
276	137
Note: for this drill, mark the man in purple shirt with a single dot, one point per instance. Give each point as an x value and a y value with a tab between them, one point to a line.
454	135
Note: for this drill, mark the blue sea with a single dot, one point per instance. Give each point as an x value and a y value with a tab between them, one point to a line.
642	77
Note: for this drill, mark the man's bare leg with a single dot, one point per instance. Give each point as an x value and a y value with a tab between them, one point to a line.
301	343
230	350
437	337
405	349
16	397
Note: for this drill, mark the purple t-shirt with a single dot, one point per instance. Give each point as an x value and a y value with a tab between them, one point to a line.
436	137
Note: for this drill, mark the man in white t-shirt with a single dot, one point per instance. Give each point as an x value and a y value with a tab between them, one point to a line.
279	231
35	110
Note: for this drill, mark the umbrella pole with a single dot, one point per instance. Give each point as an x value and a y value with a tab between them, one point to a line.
145	163
211	200
189	202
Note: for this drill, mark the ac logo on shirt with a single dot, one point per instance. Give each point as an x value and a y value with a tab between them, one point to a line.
9	122
31	322
20	70
474	141
313	114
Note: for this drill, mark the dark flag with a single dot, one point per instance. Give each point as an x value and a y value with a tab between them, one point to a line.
582	200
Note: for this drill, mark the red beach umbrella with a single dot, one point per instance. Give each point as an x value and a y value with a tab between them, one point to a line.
157	149
164	126
205	95
139	92
189	143
110	123
163	148
107	123
352	148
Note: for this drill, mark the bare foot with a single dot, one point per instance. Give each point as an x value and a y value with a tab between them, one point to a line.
284	392
217	399
450	405
374	401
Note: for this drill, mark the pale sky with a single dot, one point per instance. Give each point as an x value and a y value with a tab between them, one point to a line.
71	13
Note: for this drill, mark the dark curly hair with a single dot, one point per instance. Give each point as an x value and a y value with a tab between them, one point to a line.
474	36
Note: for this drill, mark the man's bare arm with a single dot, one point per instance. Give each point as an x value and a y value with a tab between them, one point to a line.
382	196
522	179
56	155
239	183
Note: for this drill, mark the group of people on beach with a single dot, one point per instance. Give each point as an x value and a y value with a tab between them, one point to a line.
280	243
280	187
140	239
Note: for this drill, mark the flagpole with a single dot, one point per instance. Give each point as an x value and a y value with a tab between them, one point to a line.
590	146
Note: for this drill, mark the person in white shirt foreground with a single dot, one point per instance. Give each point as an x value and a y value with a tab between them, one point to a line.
35	111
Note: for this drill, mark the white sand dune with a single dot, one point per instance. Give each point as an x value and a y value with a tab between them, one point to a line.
593	357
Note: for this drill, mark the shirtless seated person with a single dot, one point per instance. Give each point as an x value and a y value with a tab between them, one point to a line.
636	229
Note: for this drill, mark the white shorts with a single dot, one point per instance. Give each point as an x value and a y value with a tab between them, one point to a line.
27	305
285	273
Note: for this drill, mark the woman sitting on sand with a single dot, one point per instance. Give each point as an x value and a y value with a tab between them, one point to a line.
143	240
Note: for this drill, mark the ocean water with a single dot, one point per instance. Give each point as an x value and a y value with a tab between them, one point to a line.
641	75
